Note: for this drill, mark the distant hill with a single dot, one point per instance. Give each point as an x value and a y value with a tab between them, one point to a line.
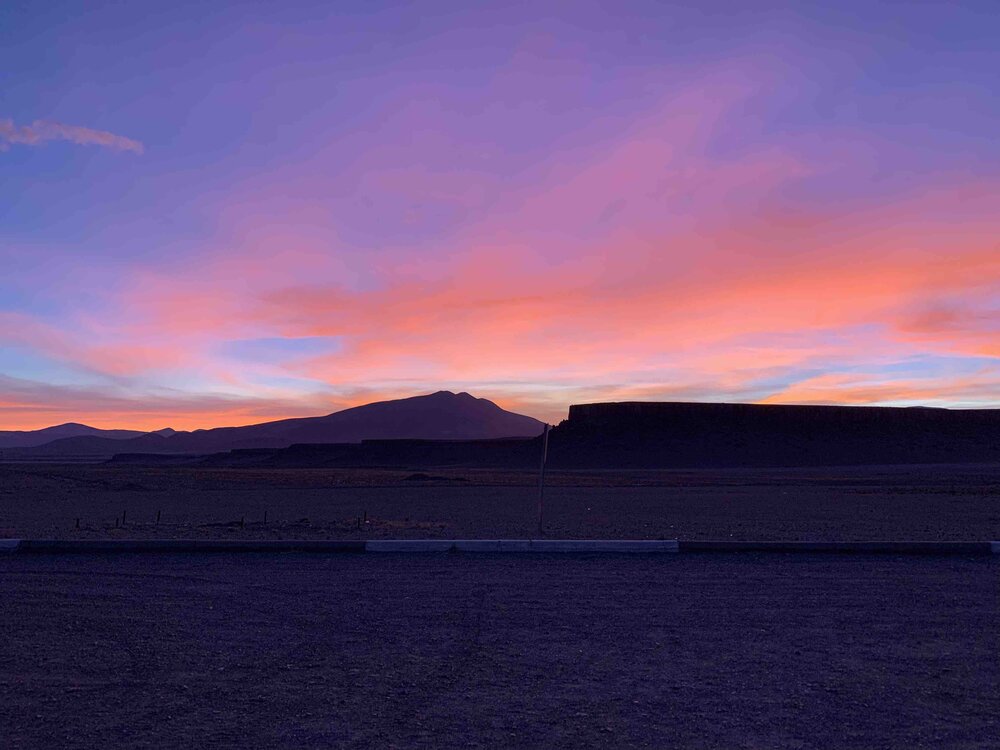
438	416
32	438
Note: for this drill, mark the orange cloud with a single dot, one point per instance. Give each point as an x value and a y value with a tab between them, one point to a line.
26	405
980	389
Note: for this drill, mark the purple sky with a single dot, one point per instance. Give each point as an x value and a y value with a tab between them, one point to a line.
220	215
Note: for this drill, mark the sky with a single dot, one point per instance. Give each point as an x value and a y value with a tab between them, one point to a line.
219	214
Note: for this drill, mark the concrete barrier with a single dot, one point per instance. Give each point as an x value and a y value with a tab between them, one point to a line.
477	545
433	545
74	546
876	547
409	545
604	545
515	545
521	545
578	546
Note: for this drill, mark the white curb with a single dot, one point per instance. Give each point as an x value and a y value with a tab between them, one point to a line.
477	545
515	545
618	546
604	545
408	545
521	545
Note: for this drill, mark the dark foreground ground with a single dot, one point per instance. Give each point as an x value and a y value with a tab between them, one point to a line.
862	503
694	651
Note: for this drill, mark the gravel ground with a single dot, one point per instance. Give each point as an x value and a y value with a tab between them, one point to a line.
922	502
698	651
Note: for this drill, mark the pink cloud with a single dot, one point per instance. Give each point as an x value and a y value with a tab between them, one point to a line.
40	131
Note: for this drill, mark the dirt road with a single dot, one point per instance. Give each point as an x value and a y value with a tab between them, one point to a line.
359	651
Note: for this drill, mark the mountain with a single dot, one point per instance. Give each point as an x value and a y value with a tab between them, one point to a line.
32	438
438	416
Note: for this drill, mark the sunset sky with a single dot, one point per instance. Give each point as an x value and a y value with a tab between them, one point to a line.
220	215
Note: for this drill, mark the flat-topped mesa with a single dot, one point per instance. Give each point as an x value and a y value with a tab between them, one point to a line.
663	415
669	434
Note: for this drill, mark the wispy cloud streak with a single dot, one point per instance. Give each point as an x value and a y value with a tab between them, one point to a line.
41	131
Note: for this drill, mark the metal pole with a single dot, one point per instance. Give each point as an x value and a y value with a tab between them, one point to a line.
541	478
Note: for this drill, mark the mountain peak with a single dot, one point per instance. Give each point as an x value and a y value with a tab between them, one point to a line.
452	395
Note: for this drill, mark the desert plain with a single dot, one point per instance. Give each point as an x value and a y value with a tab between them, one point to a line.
929	503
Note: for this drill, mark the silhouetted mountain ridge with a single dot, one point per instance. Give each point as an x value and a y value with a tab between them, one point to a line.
676	435
32	438
437	416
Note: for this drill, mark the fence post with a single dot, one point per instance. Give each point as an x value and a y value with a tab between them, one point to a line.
541	478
